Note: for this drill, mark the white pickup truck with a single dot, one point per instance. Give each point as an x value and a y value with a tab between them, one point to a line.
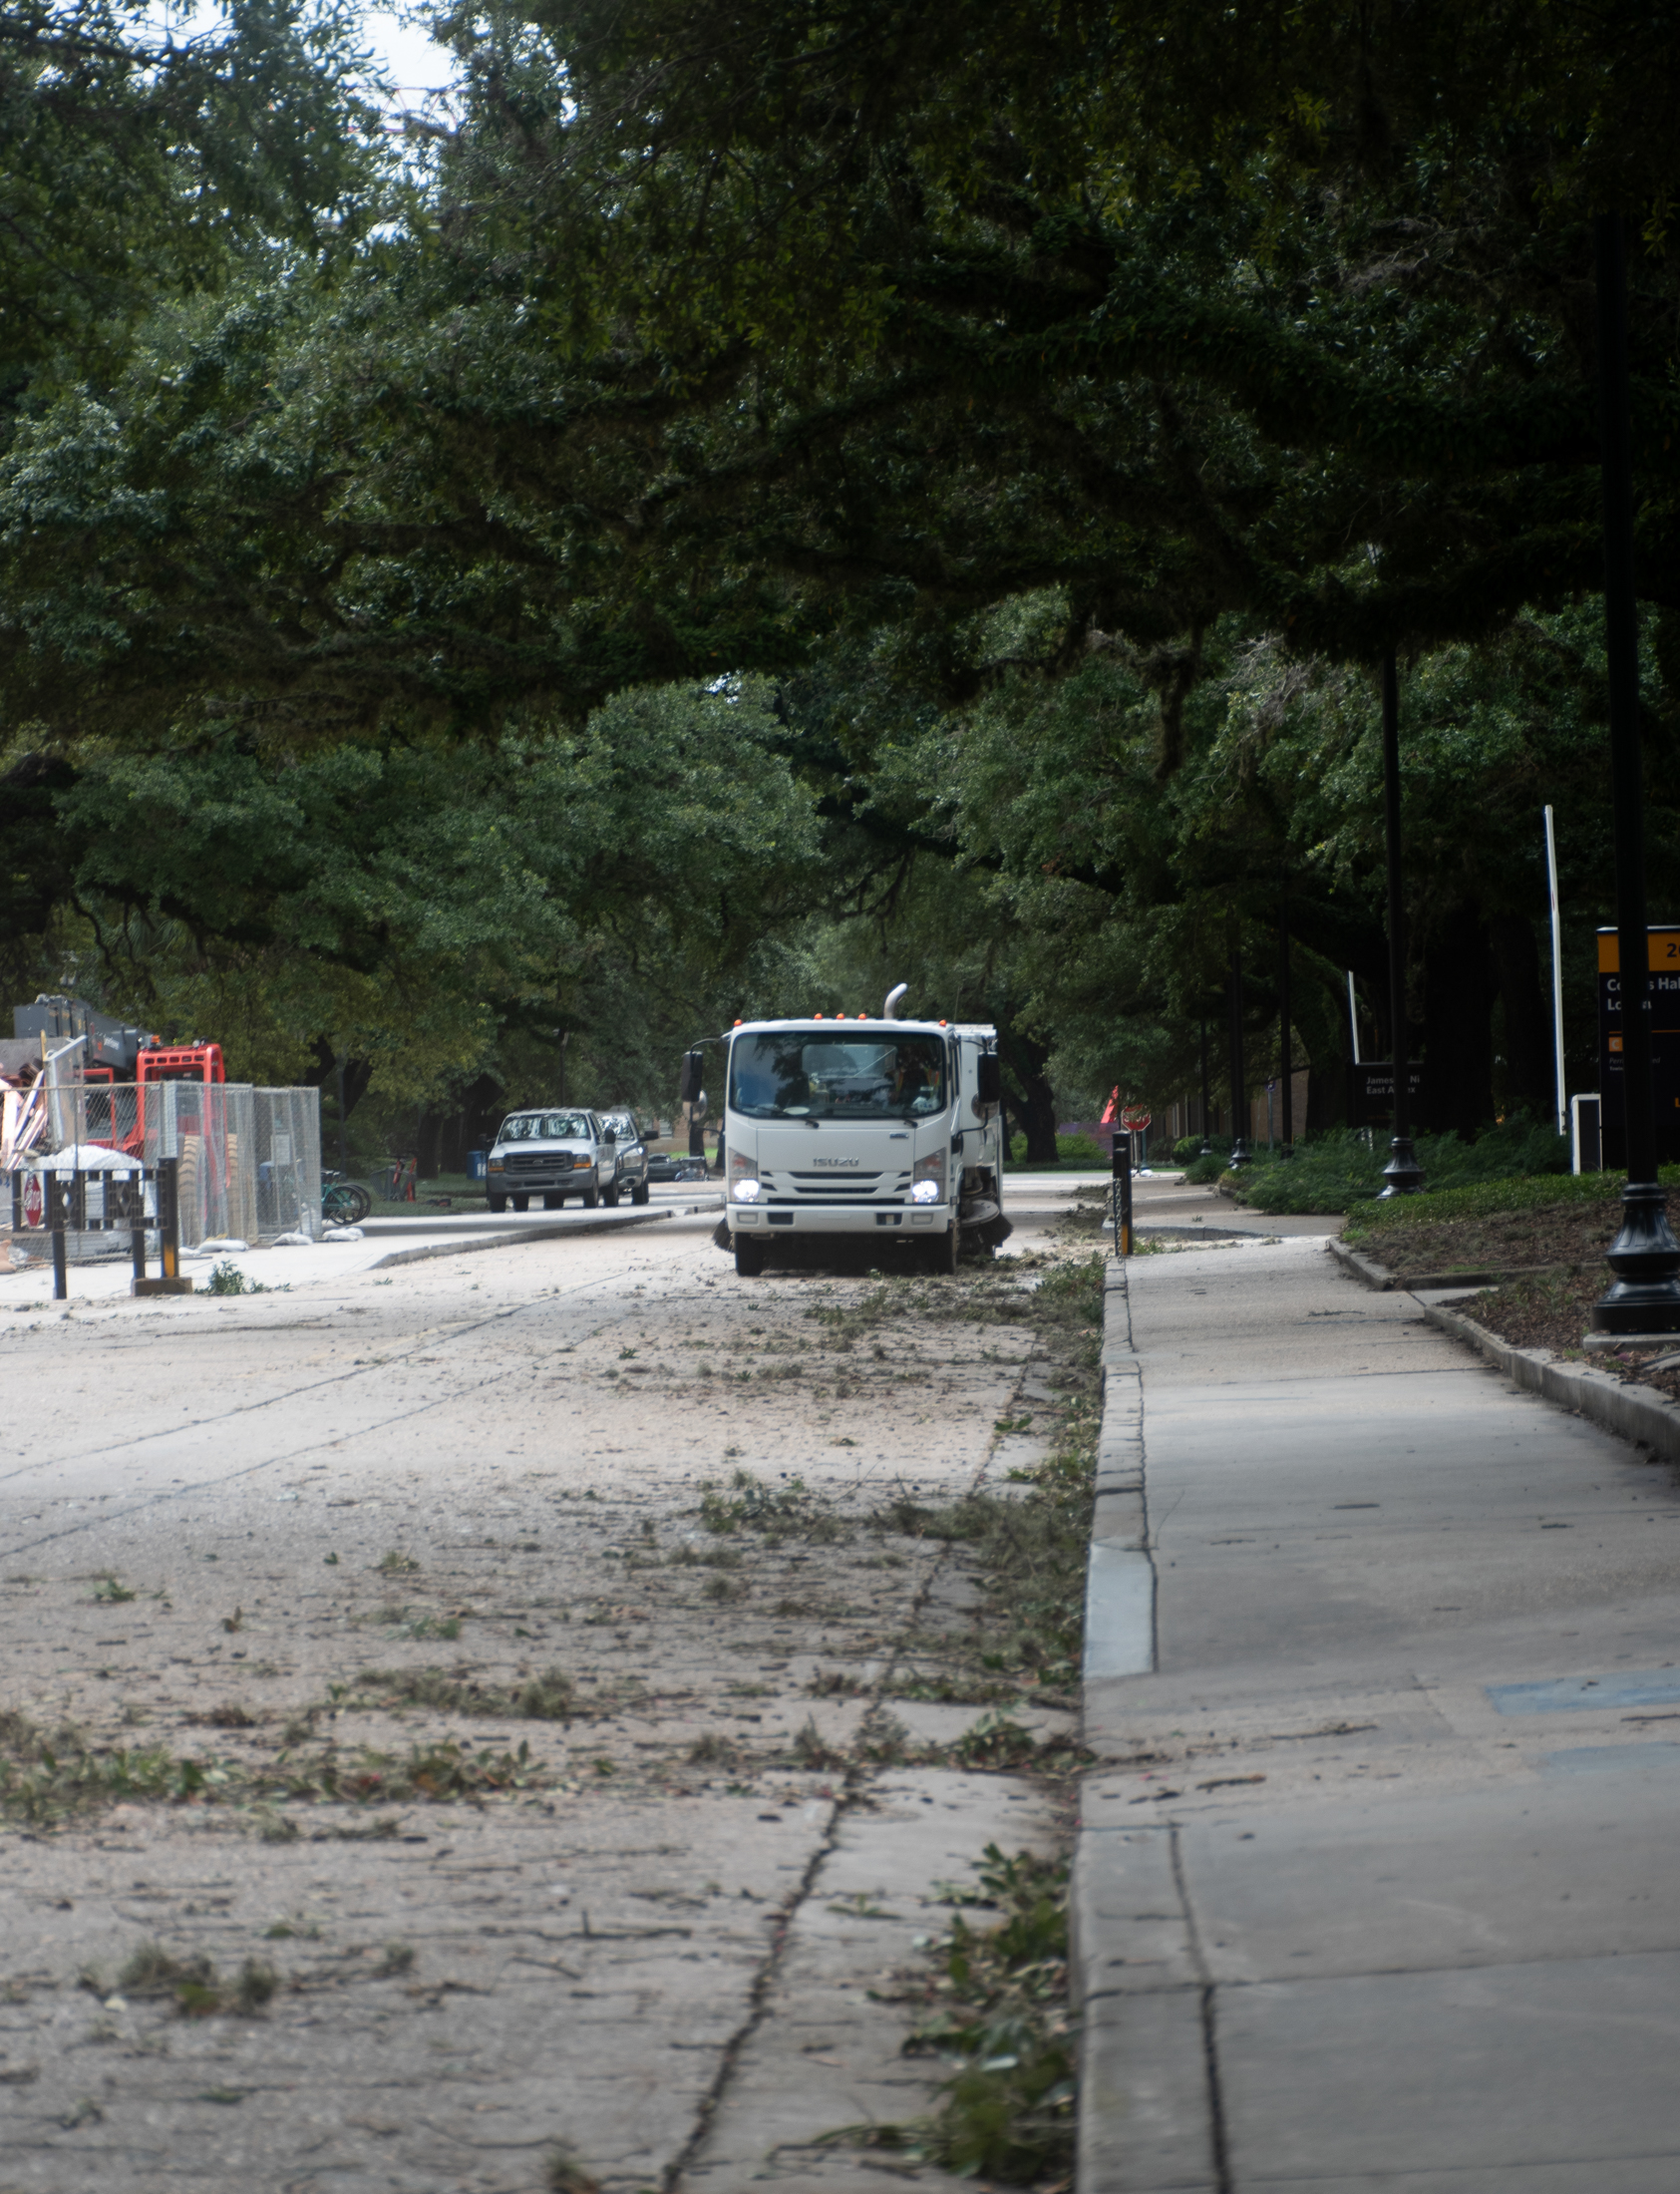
866	1126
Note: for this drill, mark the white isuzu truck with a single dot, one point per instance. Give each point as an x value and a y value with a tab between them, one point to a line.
870	1126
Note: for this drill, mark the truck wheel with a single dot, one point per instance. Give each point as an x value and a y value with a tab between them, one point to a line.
553	1203
609	1197
639	1195
591	1197
496	1203
749	1258
942	1252
520	1203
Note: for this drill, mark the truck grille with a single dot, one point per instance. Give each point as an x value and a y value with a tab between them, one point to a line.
842	1188
555	1161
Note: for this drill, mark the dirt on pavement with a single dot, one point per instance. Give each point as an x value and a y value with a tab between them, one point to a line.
512	1710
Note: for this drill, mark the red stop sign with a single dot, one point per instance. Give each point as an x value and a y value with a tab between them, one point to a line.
1135	1118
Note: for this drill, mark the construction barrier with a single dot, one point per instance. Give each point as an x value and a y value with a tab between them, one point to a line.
247	1163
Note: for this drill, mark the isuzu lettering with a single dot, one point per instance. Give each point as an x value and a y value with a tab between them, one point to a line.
874	1126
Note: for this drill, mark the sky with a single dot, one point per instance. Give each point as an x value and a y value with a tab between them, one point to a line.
416	64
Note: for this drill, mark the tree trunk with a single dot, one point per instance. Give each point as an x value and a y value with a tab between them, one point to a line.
428	1144
358	1073
1034	1104
1458	1036
1527	1017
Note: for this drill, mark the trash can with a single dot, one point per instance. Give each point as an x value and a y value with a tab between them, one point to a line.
477	1164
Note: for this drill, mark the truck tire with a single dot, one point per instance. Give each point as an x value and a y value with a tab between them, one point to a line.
553	1203
942	1252
496	1203
749	1258
639	1195
591	1197
520	1203
609	1197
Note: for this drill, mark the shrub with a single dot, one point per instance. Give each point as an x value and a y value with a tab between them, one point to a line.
1340	1170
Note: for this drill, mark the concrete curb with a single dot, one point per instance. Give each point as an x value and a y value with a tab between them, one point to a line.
607	1223
1362	1267
1378	1275
1632	1411
1120	1576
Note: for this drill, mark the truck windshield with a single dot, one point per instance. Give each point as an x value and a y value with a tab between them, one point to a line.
545	1127
807	1077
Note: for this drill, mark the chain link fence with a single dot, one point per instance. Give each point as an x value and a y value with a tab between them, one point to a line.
249	1160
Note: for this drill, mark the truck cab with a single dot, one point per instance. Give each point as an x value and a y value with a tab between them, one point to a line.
866	1126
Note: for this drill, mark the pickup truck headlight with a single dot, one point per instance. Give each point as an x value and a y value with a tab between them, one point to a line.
743	1178
496	1166
927	1183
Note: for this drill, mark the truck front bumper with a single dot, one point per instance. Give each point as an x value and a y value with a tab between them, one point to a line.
834	1219
544	1184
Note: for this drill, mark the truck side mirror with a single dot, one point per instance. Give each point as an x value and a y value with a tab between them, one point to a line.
989	1078
689	1088
610	1134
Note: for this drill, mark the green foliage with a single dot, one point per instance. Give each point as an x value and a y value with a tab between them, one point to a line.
1186	1151
1069	454
1071	1150
788	1511
141	165
1339	1172
1000	2014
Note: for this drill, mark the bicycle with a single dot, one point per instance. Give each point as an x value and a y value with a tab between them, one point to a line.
343	1203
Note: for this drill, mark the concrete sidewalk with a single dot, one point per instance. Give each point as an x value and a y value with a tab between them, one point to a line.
380	1245
1381	1889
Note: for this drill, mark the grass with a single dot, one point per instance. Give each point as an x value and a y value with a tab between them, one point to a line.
1074	1154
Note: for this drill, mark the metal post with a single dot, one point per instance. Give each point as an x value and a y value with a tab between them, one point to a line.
137	1237
1557	974
168	1217
1644	1296
1238	1094
343	1132
54	1184
1402	1175
1121	1190
1207	1150
1283	1019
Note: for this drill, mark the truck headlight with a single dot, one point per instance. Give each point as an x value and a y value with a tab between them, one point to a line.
927	1183
743	1178
496	1166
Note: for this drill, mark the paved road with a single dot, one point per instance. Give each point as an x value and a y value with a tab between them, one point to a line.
1383	1893
321	1545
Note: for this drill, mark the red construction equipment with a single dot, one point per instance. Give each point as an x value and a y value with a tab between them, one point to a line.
180	1063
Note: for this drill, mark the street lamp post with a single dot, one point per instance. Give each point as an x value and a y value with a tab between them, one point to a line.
1207	1150
1402	1175
1283	1018
1644	1296
1239	1155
